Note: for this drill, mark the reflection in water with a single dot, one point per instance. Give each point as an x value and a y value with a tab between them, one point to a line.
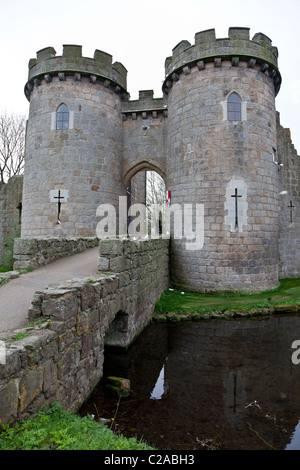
208	385
295	439
161	388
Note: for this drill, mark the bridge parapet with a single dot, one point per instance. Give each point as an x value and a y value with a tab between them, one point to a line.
143	270
62	359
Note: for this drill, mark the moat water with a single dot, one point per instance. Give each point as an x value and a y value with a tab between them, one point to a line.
207	385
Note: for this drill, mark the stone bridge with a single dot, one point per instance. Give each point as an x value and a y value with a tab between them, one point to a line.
61	358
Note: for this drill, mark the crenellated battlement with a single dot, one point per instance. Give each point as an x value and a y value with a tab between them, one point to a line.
145	106
71	63
258	52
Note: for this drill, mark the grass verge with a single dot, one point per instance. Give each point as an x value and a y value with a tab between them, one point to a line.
55	429
288	293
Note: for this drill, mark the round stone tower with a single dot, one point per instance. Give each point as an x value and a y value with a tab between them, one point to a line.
73	142
221	150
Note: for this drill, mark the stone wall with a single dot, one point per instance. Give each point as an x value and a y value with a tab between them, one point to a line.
143	270
10	209
144	125
289	203
136	190
61	357
35	252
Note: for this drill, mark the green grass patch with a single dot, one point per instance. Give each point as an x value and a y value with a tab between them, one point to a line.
55	429
20	335
287	293
7	257
5	269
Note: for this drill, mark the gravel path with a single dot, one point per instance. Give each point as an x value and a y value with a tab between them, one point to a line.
16	295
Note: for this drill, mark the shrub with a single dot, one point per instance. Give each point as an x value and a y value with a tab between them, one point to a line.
55	429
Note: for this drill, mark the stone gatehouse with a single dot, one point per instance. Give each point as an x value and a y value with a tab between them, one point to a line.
214	136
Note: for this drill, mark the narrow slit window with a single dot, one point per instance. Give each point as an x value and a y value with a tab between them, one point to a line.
234	111
62	117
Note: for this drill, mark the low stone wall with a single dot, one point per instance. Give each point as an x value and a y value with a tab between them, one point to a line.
35	252
61	357
143	270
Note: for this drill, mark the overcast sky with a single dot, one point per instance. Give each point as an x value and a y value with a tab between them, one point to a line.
140	35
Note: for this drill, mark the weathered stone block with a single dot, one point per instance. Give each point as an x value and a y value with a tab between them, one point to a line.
9	393
60	304
119	385
68	362
30	386
103	263
12	364
50	375
65	339
88	295
32	345
111	247
117	264
25	246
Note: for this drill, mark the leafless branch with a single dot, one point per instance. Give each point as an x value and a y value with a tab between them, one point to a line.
12	145
156	192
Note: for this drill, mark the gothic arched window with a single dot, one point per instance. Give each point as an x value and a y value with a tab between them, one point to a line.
62	117
234	108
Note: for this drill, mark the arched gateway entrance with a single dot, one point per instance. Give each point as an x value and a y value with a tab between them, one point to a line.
146	201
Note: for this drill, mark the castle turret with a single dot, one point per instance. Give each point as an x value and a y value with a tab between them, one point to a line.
73	142
221	146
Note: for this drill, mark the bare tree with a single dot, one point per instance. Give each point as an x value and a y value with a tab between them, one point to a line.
12	145
155	195
156	190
